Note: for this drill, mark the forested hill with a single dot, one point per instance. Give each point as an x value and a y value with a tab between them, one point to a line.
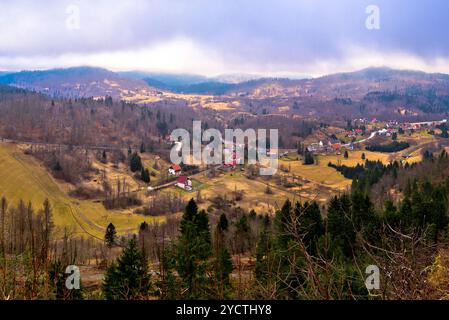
75	82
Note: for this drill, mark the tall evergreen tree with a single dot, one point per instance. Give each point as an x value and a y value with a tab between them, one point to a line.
223	261
128	278
310	223
110	235
339	224
135	162
264	253
145	175
192	251
283	223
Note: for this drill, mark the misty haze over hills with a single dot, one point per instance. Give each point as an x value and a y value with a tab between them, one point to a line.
91	81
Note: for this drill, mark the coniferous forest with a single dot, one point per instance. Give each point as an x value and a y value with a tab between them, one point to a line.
304	251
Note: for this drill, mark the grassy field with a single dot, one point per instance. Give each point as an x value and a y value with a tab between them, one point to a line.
321	175
254	191
354	158
254	196
22	177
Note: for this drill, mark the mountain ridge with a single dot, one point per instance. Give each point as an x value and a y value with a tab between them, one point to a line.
86	81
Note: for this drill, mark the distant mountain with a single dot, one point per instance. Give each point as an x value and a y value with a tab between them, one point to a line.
208	87
377	90
354	85
169	79
174	79
76	82
191	83
180	83
235	78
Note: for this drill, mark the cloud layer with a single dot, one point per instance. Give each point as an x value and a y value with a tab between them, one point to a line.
282	37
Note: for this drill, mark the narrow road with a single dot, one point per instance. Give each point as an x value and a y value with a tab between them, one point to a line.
372	135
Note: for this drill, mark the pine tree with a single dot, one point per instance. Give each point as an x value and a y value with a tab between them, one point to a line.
283	222
192	251
224	266
308	158
145	175
128	278
264	254
223	223
310	223
223	261
135	162
110	235
190	213
339	223
202	227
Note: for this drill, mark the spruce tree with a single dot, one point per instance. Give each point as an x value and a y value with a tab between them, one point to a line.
145	175
223	223
339	224
310	223
192	251
264	256
135	162
223	261
110	235
283	222
128	278
308	158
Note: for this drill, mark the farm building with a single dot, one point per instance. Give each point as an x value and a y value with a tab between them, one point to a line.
174	170
185	183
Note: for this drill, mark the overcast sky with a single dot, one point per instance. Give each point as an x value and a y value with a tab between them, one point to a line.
211	37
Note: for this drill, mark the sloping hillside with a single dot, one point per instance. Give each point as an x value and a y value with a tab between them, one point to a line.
353	85
22	177
77	82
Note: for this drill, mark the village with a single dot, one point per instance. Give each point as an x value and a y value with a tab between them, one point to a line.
364	130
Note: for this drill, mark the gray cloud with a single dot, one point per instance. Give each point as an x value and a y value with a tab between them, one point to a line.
285	35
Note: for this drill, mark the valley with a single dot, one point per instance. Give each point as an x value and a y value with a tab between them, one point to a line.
97	145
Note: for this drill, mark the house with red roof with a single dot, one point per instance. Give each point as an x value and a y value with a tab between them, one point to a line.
185	183
174	170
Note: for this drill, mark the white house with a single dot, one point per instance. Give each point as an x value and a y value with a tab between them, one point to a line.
185	183
174	170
